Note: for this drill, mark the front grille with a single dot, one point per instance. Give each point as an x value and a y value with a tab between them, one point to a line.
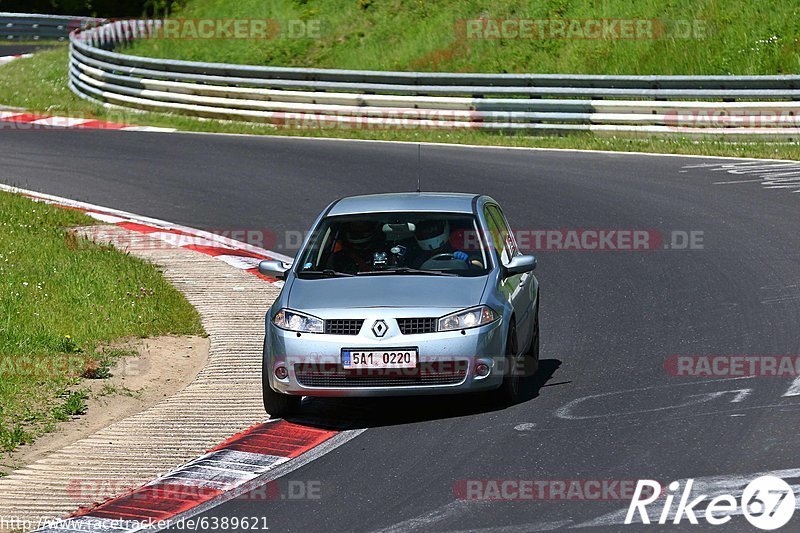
412	326
343	326
448	373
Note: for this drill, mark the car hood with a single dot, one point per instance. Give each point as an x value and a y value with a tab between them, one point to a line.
386	291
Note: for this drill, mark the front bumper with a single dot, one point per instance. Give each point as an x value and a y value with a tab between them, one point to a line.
453	355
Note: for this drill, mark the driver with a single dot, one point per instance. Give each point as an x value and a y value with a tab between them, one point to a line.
433	238
354	253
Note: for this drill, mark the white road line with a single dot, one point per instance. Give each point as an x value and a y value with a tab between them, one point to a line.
240	262
109	219
565	411
150	129
771	175
516	528
60	122
752	160
736	181
426	521
794	389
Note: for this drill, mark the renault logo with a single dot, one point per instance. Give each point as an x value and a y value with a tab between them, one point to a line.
379	328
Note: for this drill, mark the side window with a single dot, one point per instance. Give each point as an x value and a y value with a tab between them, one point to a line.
498	232
508	235
512	241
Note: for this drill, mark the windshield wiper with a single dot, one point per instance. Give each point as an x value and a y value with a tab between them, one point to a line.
325	273
406	270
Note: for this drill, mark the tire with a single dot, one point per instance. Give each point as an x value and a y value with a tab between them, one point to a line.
278	405
532	355
509	391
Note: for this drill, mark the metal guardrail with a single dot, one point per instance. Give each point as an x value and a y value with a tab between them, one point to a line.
322	98
32	27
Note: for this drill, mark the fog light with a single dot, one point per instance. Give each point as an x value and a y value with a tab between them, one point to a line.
281	372
482	369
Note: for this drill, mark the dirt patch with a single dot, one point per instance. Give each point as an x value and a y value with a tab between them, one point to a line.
164	366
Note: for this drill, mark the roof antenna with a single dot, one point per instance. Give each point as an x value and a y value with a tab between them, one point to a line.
419	165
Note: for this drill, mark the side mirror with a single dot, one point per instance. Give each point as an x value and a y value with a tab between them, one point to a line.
520	264
274	268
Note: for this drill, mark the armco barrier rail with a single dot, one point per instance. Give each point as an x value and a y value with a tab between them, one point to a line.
320	98
31	27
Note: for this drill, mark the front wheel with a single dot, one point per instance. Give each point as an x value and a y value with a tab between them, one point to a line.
276	404
508	393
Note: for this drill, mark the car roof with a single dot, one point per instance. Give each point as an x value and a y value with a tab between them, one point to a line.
446	202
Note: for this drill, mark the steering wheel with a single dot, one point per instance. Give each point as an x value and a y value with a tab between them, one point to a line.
450	256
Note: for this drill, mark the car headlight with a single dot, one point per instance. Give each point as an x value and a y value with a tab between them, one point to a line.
469	318
294	321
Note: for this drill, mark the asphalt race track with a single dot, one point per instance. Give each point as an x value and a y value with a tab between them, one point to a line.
604	407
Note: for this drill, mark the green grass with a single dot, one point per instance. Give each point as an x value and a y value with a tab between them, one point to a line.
74	405
741	37
61	299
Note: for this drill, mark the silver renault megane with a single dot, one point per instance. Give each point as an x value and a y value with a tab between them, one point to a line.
402	294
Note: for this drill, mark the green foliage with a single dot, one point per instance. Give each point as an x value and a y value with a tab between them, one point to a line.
12	438
74	405
689	36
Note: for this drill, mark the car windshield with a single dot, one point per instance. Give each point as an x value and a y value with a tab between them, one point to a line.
445	244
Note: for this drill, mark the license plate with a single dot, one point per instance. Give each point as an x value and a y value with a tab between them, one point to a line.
397	358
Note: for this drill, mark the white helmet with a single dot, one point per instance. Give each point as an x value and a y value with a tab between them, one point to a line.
432	234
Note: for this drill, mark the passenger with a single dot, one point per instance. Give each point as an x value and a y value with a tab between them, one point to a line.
355	252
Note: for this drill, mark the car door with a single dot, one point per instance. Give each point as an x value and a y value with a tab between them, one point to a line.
516	288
